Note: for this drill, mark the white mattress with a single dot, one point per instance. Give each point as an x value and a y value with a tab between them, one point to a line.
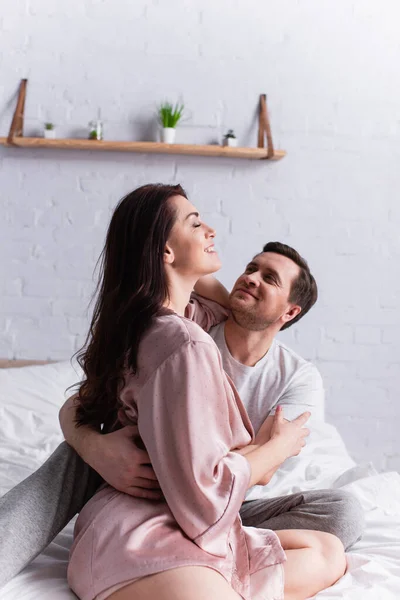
29	402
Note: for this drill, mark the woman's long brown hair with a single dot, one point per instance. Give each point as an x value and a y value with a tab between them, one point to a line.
131	289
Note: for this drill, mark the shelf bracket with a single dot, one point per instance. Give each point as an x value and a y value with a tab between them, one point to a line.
264	127
17	124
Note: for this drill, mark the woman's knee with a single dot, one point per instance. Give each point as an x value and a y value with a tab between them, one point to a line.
330	555
315	561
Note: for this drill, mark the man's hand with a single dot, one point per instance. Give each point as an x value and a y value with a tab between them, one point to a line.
116	456
123	465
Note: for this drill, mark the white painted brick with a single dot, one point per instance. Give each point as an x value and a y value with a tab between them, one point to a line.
53	288
392	463
78	326
334	197
391	335
7	347
365	334
339	333
45	346
24	305
69	307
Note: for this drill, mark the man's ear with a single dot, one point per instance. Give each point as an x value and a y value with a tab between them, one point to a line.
291	313
169	256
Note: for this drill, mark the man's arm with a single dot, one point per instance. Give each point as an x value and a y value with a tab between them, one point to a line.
304	393
115	456
212	289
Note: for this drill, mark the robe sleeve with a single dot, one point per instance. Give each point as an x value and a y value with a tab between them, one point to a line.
185	423
204	312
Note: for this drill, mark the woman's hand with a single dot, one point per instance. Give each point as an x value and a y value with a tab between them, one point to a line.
290	435
287	439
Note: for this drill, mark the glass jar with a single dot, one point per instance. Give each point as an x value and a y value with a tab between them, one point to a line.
96	130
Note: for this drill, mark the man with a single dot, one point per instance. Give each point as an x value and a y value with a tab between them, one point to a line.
274	292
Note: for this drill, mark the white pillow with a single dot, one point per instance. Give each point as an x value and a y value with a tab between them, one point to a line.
30	398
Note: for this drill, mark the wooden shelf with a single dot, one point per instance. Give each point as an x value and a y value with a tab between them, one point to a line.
265	148
144	147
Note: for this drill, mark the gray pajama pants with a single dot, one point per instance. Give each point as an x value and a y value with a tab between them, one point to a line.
37	509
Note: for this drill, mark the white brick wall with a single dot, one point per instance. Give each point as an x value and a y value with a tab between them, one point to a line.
331	73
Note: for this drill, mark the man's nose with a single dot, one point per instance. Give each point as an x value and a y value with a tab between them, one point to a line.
252	280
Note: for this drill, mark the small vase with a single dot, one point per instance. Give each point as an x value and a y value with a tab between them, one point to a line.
95	130
168	135
49	134
232	142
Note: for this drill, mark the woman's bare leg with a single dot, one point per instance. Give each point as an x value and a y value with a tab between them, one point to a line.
315	561
184	583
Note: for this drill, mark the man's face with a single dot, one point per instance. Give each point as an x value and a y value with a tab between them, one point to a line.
260	297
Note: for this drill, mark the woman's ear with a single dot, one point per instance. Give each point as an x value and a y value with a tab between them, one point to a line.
169	256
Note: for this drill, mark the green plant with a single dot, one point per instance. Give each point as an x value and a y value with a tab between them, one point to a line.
230	134
170	115
49	126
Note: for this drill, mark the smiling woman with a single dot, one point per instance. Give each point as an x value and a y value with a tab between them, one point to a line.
190	247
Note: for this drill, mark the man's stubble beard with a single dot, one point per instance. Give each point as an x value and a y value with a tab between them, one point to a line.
248	319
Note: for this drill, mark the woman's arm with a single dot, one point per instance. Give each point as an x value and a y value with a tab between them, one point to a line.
211	288
185	419
284	439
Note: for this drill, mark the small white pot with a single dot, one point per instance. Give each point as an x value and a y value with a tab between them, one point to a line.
168	135
232	142
49	134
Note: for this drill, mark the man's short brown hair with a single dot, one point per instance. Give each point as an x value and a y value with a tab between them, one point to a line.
304	291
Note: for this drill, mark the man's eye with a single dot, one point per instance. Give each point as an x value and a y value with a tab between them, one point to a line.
196	224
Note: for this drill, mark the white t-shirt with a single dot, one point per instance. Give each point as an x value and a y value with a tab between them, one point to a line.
280	377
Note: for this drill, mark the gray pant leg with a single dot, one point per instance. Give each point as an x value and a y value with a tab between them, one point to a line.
38	508
332	511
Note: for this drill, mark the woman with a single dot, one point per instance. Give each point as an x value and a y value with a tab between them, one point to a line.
164	373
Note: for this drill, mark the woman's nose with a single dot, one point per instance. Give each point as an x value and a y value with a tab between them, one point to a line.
210	233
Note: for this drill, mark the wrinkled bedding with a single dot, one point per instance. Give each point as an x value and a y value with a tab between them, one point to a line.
30	398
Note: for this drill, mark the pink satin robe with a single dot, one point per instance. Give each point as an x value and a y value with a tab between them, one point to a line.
190	418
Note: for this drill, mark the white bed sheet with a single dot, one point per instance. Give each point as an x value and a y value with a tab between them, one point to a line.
29	401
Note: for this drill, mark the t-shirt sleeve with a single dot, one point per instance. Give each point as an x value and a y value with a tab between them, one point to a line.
305	392
204	312
184	422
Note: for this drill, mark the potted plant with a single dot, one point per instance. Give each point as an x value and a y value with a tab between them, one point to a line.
169	117
95	130
49	131
230	139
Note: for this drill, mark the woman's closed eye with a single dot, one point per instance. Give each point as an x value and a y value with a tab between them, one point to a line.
196	224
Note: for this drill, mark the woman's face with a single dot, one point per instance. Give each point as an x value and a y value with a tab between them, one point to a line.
190	247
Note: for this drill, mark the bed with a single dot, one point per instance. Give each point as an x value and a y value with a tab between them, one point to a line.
30	397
